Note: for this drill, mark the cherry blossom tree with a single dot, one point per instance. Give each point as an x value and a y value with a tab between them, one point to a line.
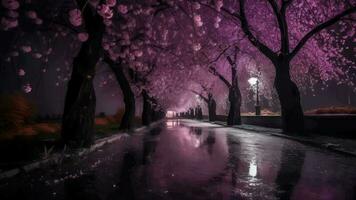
50	20
92	24
205	92
125	45
208	47
160	50
293	33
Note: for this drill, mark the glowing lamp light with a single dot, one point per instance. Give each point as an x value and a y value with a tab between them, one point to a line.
252	81
252	169
170	114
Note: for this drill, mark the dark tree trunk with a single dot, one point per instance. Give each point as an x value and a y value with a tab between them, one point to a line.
129	97
80	101
191	115
154	115
289	97
196	112
157	114
147	109
212	109
199	113
79	111
234	117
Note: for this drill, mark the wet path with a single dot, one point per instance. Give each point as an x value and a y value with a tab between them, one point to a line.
195	161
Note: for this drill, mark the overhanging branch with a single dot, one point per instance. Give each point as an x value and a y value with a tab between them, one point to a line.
319	28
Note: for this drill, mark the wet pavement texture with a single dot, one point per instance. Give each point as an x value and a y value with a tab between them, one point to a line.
190	160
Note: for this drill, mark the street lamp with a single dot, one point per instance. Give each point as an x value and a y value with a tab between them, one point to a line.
254	81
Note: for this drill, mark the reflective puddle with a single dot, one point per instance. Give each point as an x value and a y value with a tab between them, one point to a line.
189	160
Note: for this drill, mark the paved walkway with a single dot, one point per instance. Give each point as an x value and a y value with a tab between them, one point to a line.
192	160
340	145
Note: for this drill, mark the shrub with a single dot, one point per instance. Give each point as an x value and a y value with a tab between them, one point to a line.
101	121
46	128
15	111
264	112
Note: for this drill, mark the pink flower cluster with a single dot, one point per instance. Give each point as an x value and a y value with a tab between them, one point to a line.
10	4
21	72
27	88
122	9
10	21
33	15
26	49
83	37
75	17
105	11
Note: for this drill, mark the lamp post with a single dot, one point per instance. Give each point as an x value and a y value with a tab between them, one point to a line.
254	81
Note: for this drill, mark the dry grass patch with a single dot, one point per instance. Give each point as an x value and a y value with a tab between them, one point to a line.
333	110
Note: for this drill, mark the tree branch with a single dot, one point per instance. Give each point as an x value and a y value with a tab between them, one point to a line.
231	62
220	76
282	24
246	29
201	96
220	54
285	4
319	28
205	88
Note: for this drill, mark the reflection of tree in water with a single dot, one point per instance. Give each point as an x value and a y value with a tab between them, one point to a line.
149	145
150	142
289	173
230	170
195	130
125	187
234	147
210	141
173	123
126	191
292	161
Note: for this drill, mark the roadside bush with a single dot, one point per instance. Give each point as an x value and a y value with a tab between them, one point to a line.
101	121
264	112
15	111
46	128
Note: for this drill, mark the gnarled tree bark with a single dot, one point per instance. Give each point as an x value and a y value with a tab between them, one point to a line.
147	109
79	109
211	103
289	97
129	97
234	116
211	107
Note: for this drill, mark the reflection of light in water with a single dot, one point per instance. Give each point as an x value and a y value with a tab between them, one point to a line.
172	123
253	169
169	124
196	143
190	139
